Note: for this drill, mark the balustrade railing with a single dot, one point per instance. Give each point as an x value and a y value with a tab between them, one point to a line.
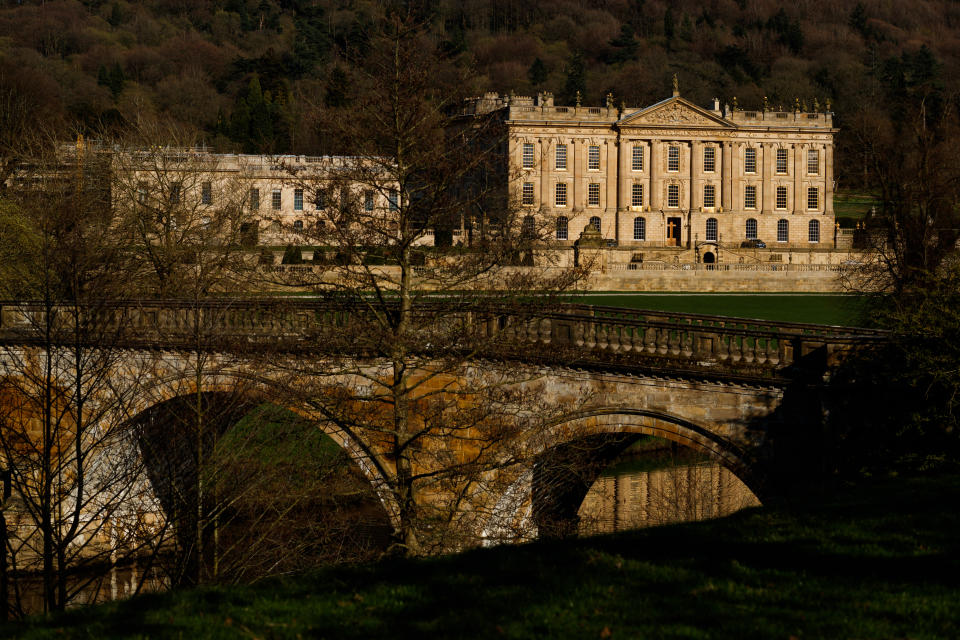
717	268
569	334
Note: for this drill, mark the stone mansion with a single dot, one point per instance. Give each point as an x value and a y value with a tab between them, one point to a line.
672	175
671	183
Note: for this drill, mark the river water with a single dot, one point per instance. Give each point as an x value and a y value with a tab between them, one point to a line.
645	487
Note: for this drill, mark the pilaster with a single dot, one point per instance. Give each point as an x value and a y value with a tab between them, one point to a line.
766	171
578	159
624	176
798	172
656	185
614	173
828	176
546	193
696	175
726	175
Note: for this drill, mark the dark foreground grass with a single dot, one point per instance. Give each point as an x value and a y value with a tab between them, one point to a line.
877	562
836	309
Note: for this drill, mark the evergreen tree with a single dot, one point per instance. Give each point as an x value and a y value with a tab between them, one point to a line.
457	42
537	74
686	29
669	29
788	31
626	45
116	16
117	79
858	20
338	87
576	79
256	119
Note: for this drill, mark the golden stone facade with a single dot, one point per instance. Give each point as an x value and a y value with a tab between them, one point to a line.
672	174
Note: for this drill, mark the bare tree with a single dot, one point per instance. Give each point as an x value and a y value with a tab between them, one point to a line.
183	215
914	266
917	227
416	242
180	212
76	500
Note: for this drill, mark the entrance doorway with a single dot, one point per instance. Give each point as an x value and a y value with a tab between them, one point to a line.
673	232
709	258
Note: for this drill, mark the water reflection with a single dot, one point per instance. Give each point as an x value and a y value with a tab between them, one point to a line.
650	487
90	587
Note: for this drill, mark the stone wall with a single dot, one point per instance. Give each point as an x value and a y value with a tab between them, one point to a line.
718	281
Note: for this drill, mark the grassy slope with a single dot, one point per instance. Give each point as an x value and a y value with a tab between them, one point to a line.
815	308
874	563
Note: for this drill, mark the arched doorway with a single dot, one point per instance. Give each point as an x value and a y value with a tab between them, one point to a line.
709	258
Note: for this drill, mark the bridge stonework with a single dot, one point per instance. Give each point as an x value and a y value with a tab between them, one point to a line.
745	422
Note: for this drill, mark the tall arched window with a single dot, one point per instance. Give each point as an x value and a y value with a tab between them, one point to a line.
639	228
562	228
783	230
711	229
813	231
751	229
595	222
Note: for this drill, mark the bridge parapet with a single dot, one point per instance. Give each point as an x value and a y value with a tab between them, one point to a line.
574	335
686	342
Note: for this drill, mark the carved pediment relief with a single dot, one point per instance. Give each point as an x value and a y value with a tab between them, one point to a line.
674	112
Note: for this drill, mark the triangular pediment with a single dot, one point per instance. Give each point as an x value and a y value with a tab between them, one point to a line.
676	112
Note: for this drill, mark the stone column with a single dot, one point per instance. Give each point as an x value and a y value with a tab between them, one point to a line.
726	173
614	171
798	172
655	181
766	172
737	176
624	176
696	175
828	176
546	194
575	148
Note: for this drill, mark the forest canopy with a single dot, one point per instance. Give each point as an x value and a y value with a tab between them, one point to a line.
250	75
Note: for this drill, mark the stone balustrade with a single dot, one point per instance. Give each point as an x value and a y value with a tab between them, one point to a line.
708	268
570	334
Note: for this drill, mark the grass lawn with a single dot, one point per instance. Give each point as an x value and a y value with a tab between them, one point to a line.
877	562
851	207
814	308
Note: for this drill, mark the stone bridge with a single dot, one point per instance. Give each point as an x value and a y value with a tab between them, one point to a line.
747	393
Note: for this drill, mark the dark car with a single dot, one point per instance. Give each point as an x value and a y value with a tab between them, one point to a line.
753	243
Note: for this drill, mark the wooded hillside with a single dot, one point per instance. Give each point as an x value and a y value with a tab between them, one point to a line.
250	74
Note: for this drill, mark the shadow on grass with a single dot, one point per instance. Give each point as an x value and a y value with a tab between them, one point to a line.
875	562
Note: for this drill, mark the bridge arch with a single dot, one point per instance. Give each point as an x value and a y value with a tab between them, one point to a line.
580	446
683	431
162	386
238	394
